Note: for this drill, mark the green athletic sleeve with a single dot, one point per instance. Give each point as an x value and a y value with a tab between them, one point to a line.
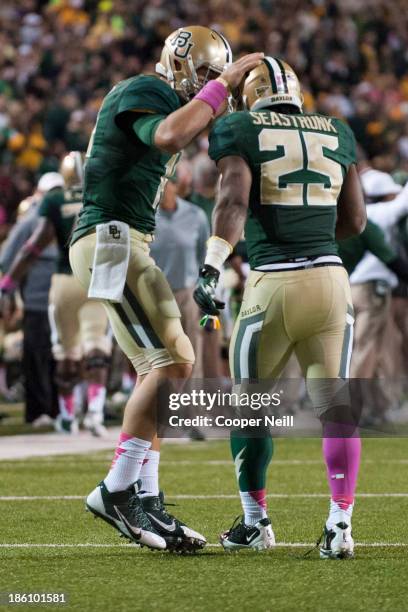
226	137
148	94
145	128
375	242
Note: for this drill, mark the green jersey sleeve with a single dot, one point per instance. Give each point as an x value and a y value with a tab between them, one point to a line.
145	128
225	137
375	242
48	205
148	94
347	143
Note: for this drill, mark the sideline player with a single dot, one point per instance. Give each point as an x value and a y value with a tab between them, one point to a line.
291	180
78	325
143	124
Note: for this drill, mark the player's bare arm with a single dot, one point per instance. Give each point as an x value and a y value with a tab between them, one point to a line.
351	212
181	127
228	220
232	205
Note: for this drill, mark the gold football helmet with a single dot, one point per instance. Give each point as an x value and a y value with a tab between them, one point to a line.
187	50
273	82
72	169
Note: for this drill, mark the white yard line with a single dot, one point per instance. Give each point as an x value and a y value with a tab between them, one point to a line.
219	496
83	460
209	545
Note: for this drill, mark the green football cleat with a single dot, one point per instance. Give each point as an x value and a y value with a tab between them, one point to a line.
66	426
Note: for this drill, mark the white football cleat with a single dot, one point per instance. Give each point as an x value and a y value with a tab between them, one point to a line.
259	536
338	542
93	422
179	537
123	510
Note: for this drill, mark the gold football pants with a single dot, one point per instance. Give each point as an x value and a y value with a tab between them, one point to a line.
306	312
78	325
147	323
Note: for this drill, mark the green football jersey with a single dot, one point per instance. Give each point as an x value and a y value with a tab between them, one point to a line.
124	177
298	163
62	209
372	239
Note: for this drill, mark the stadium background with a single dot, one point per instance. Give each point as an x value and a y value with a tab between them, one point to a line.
58	59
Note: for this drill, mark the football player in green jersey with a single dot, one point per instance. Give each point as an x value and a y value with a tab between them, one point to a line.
290	180
79	326
143	124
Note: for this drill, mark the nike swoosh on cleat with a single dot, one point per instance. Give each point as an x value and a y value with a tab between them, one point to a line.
252	537
171	527
136	532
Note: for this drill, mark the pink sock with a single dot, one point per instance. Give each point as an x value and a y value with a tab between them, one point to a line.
67	406
342	457
254	505
96	396
127	463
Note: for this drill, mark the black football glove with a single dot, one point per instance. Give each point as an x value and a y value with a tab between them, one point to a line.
204	291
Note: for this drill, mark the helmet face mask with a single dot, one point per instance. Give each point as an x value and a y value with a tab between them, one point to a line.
272	83
191	57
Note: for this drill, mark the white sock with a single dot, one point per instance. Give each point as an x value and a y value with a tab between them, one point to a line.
96	395
253	511
339	515
127	463
149	474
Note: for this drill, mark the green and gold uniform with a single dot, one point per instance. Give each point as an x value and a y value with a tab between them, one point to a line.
298	163
62	208
297	296
78	325
125	175
372	239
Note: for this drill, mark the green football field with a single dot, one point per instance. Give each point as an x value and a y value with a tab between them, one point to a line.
49	544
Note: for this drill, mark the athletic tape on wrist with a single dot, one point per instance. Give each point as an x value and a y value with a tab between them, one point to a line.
214	94
218	250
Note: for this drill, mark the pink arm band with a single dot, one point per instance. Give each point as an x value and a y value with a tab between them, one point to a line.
214	94
7	283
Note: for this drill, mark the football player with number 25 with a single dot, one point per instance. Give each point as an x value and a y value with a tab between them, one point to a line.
290	179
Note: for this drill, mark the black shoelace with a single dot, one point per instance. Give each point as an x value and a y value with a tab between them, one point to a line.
307	553
139	514
236	526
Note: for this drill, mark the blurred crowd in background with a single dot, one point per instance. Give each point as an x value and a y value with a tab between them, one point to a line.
58	59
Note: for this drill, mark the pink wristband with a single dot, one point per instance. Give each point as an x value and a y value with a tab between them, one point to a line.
214	94
7	283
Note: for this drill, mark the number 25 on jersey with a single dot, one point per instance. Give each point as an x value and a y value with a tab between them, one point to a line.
299	174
